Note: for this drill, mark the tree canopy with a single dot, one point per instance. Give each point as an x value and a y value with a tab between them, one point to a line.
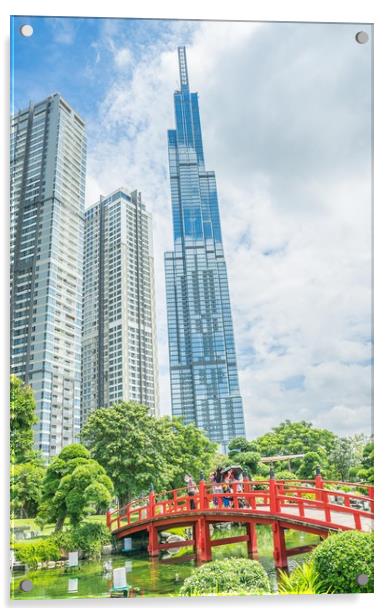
74	486
138	449
22	420
345	458
26	489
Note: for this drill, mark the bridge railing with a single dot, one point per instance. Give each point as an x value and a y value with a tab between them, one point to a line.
294	498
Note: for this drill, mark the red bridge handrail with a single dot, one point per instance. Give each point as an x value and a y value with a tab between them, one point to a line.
295	498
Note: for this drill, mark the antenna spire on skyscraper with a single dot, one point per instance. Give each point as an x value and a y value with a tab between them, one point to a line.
183	67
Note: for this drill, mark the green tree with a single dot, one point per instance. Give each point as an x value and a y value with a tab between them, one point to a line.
308	465
26	489
249	460
187	450
22	420
138	449
299	437
74	486
366	471
129	443
240	444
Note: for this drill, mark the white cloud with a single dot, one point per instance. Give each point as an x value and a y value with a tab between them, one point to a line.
123	57
285	110
64	30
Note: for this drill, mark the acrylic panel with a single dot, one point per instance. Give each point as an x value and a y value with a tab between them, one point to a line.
191	308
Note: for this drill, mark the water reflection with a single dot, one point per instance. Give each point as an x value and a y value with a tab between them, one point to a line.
153	577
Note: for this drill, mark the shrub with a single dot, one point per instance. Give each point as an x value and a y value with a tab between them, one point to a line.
37	552
230	576
285	475
303	580
342	557
88	537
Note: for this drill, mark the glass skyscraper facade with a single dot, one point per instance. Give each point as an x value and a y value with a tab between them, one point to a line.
48	153
203	367
119	358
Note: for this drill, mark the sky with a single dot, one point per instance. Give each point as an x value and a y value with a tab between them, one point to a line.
286	119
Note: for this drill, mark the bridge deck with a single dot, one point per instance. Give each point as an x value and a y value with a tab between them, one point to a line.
342	519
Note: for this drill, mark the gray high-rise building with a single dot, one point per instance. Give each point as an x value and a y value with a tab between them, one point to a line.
119	360
48	153
203	366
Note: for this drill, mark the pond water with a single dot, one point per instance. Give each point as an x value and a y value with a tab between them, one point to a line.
154	578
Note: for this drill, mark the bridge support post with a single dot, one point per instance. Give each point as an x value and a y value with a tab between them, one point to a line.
371	495
153	549
321	495
202	540
274	504
252	540
280	552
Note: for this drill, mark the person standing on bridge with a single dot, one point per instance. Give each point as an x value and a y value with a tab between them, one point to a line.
216	488
191	491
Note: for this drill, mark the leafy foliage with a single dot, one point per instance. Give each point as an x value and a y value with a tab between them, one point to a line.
303	580
187	450
231	576
240	444
74	486
249	460
341	458
342	557
36	552
137	449
26	489
22	420
297	437
366	471
309	464
89	537
285	475
346	457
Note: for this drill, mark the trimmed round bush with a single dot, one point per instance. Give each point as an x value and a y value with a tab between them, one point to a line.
229	576
342	557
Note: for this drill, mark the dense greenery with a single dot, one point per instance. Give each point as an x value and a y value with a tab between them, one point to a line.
26	488
342	557
303	580
22	420
27	470
340	458
89	537
365	471
74	486
230	576
35	552
138	449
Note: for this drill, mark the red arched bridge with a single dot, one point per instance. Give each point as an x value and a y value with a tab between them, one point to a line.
313	506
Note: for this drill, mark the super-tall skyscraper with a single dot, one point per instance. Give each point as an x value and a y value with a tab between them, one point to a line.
119	359
48	152
203	367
